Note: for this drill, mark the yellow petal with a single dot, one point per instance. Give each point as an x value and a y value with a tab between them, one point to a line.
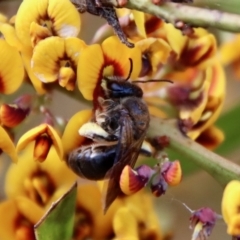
8	216
45	59
11	68
229	51
38	33
10	36
233	226
231	201
53	53
51	14
156	50
211	137
24	205
175	38
125	225
32	134
38	85
199	51
7	146
215	99
92	59
3	18
71	130
19	175
120	58
139	18
67	78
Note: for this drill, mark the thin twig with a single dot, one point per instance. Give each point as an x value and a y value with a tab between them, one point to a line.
220	168
194	16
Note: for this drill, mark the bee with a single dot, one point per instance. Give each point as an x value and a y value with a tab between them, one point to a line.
117	133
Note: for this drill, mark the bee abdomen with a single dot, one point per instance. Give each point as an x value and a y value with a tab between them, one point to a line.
92	162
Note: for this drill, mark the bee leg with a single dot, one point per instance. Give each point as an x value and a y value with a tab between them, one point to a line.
110	15
96	133
81	5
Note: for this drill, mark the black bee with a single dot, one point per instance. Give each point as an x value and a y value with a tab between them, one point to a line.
117	134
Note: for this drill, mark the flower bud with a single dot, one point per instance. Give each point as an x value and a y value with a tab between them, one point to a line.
131	182
172	172
11	115
42	146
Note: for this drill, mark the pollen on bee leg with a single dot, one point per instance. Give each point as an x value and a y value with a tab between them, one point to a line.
132	181
42	146
93	131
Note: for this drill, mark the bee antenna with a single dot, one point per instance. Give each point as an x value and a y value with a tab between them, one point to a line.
130	70
153	80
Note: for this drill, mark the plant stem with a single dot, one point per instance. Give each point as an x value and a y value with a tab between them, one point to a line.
194	16
220	168
232	6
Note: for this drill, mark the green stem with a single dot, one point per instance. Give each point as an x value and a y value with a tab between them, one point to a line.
218	167
232	6
194	16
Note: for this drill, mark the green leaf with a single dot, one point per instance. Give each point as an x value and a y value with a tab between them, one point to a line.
57	223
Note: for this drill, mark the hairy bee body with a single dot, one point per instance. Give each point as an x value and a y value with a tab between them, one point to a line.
94	161
117	132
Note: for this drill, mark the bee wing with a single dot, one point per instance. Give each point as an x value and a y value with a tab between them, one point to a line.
127	153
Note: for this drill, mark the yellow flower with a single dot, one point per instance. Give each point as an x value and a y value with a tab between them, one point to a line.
11	68
40	182
46	18
36	21
229	54
197	95
18	217
195	50
45	137
95	224
230	207
11	38
155	52
55	59
111	58
36	185
6	145
31	187
71	131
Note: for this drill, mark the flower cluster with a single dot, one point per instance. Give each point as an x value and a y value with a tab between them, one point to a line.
40	47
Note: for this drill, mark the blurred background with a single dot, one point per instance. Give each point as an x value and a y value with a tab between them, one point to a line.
198	189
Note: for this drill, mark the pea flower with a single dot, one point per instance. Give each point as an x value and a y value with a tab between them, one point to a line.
56	59
35	19
229	54
11	68
31	187
45	137
230	206
107	62
7	145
